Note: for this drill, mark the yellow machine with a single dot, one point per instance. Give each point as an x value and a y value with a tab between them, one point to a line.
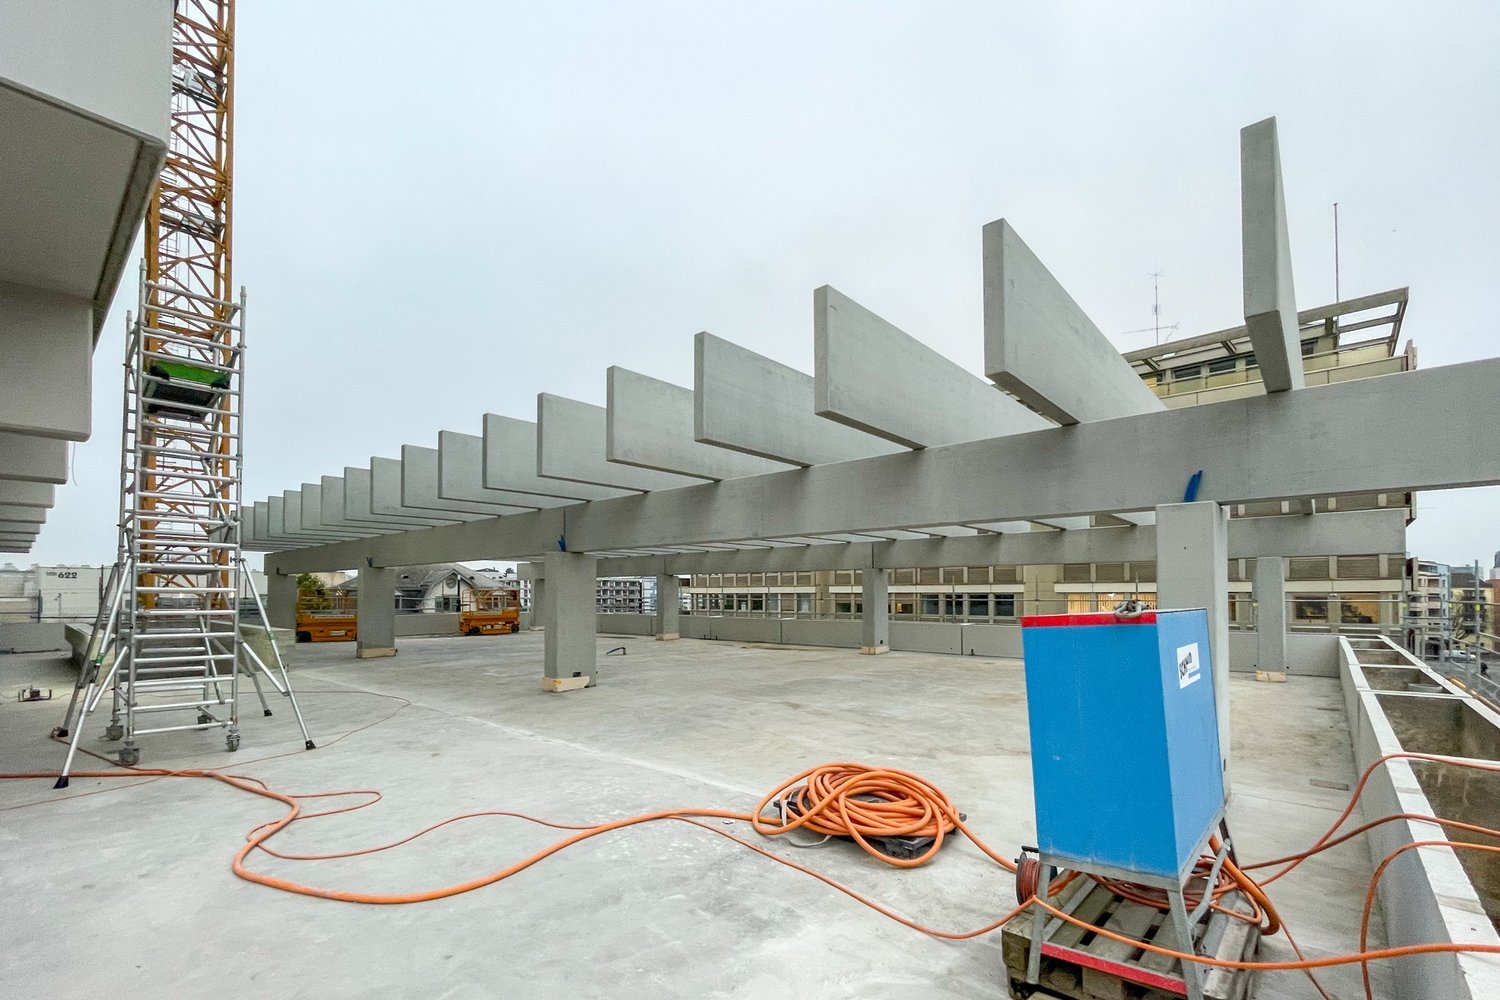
324	616
490	612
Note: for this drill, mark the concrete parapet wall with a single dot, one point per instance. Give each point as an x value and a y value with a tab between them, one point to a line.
843	633
1427	895
927	637
627	624
32	637
1307	654
427	623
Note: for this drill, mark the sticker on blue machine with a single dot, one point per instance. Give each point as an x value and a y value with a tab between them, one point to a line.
1189	666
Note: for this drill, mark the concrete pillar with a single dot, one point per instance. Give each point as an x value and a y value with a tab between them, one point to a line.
375	613
668	606
538	595
568	615
1270	615
281	599
1192	571
875	622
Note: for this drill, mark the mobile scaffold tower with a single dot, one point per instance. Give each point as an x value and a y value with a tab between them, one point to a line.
167	640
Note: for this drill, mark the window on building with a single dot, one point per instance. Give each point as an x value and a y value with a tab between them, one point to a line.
1359	567
932	605
1080	604
1109	572
804	603
1310	609
445	604
1186	372
1222	365
979	605
1307	568
1359	609
1005	605
1078	573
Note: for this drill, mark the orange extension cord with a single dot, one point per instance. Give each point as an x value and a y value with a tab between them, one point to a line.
846	800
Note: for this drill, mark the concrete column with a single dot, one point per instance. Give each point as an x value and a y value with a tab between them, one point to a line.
281	599
538	595
376	612
875	622
668	606
1192	571
1270	616
568	615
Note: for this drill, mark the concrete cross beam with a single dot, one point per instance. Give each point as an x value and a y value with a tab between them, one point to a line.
1270	302
1040	345
1250	449
1352	533
746	402
419	487
260	521
354	487
461	474
650	424
872	376
27	494
30	459
385	494
571	445
304	518
510	463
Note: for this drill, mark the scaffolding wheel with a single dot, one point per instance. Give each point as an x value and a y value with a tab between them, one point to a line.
204	718
114	731
130	756
232	742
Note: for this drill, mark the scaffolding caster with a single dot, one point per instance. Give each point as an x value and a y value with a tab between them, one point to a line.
311	745
232	741
130	755
114	731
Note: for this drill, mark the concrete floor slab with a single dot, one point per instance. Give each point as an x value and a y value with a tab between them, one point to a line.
119	884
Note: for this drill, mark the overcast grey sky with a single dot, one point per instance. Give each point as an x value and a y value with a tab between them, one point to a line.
443	210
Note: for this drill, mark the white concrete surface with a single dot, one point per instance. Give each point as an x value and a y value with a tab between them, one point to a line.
510	463
571	445
666	910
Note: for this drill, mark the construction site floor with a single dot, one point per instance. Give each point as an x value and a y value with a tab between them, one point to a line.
127	891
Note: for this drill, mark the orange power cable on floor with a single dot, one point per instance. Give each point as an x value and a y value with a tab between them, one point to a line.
850	800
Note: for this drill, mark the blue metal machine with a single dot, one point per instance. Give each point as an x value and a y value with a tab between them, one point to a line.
1125	753
1124	740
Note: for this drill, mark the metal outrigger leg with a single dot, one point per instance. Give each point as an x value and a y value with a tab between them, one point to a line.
284	686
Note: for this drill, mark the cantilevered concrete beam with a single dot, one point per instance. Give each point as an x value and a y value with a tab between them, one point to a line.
385	494
260	522
33	459
748	403
355	487
47	341
27	494
461	474
871	376
650	424
288	523
316	518
419	487
510	463
571	446
292	502
1041	346
16	512
1270	302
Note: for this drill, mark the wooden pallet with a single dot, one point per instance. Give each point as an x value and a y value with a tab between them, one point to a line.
1082	965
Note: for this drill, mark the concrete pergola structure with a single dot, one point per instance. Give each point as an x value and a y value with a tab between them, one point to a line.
761	467
83	112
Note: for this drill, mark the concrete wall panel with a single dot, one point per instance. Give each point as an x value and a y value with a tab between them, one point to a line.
927	637
1270	301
